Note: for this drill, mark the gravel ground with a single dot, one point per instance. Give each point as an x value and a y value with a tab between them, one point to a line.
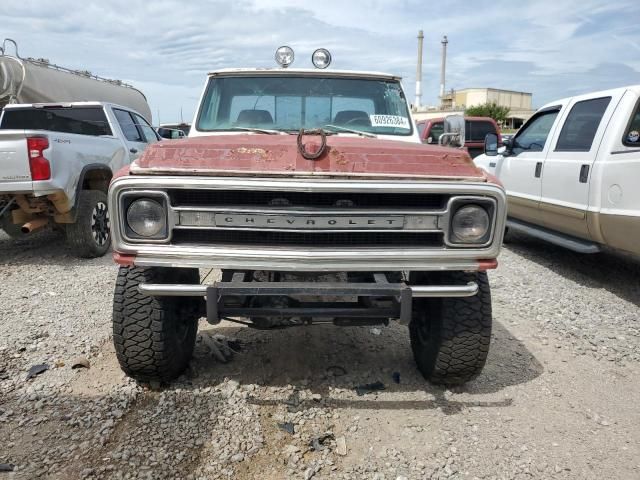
557	399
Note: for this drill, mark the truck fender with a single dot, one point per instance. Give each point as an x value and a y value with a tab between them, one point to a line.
95	176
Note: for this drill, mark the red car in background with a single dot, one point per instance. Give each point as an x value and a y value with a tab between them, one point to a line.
476	129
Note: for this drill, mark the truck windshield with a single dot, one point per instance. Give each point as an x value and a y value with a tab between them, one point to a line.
290	103
82	121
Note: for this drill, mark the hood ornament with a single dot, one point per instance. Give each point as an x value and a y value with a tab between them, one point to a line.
303	149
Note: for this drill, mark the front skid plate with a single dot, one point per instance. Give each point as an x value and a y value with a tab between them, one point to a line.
399	294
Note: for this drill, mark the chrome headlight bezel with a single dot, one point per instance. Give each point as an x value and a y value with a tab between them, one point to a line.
127	199
458	203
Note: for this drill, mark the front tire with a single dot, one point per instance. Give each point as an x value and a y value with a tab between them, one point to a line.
154	337
450	336
90	235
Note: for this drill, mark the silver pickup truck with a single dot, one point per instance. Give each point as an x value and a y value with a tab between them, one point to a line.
56	162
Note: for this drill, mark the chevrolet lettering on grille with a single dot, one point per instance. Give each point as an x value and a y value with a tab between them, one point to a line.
310	222
306	222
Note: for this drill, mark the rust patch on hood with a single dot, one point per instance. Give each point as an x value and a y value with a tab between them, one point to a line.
273	155
252	151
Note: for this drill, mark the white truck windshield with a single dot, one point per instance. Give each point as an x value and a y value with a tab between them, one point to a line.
290	103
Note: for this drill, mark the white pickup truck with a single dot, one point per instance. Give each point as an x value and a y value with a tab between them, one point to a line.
56	162
571	172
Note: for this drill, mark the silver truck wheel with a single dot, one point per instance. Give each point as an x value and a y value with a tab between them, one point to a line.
154	337
90	235
450	337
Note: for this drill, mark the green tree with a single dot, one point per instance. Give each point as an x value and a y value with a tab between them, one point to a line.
489	109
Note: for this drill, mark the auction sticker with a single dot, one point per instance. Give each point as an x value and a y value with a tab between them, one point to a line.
395	121
633	136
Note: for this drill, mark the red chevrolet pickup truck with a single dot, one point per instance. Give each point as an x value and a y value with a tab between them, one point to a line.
476	129
290	176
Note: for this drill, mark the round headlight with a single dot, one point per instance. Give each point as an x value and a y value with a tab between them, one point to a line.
321	58
146	217
470	224
285	56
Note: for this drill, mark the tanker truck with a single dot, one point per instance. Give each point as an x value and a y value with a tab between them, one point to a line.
63	135
31	80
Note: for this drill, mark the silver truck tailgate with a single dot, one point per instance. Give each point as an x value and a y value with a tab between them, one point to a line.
15	174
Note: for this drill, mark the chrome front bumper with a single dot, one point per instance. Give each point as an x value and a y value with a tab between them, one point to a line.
379	300
292	260
419	291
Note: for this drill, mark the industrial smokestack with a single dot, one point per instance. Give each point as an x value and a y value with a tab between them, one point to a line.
419	71
443	66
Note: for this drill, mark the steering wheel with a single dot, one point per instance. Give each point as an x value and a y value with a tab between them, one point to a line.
356	119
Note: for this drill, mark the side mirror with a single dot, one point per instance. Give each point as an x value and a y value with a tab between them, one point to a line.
170	133
491	145
164	132
429	139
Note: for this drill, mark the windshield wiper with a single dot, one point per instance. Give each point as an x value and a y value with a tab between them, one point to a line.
350	130
258	130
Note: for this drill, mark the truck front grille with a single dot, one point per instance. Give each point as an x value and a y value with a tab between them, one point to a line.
248	198
312	239
200	218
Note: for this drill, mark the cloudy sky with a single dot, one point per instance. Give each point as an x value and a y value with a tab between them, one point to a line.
548	47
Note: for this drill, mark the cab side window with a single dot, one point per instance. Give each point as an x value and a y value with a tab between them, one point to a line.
632	134
128	126
147	130
533	136
476	131
437	129
581	125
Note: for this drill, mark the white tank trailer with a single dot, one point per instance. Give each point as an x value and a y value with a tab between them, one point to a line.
29	80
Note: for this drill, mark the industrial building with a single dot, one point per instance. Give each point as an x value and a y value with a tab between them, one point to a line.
456	101
518	103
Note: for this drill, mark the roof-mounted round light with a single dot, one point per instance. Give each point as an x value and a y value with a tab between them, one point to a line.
284	56
321	58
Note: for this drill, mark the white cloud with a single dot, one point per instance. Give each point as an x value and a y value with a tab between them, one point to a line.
166	47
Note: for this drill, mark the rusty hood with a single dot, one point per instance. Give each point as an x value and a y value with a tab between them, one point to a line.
279	155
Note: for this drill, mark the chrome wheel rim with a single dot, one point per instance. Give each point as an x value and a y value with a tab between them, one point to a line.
100	224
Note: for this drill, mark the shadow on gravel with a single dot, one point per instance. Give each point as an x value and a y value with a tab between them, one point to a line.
322	359
46	247
94	428
611	271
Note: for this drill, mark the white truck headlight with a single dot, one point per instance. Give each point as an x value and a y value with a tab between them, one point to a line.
470	224
147	218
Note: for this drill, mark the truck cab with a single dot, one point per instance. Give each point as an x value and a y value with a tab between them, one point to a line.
57	162
570	172
476	129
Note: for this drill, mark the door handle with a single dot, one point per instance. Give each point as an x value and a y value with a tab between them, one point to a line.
538	169
584	173
133	150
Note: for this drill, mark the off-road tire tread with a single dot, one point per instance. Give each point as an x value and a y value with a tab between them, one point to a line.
462	337
145	345
79	236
